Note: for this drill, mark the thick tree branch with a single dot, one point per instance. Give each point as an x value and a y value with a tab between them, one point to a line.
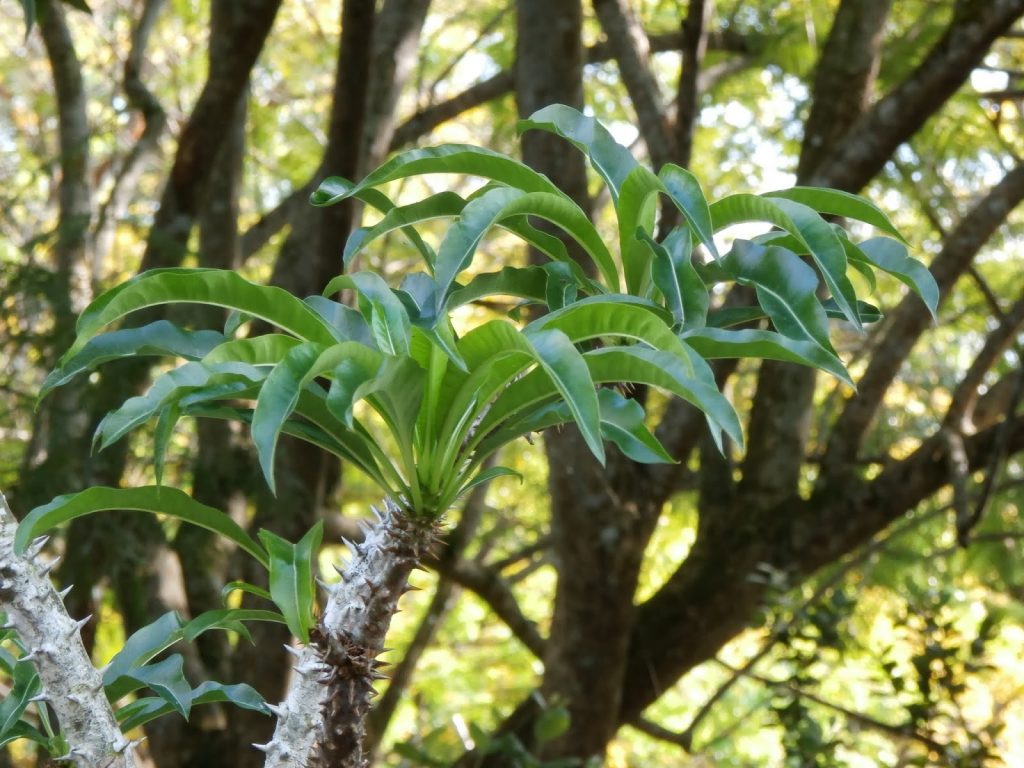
427	119
711	597
780	416
695	44
154	121
910	318
901	113
632	51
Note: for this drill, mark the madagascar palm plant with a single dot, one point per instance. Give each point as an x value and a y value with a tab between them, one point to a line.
392	386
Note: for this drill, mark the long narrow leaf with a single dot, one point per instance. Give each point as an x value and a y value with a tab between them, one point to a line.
221	288
156	499
159	338
612	161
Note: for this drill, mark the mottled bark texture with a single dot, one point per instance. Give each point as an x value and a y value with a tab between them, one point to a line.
71	686
321	722
763	519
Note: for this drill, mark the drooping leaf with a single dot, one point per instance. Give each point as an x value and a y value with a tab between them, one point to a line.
350	325
156	499
684	190
389	320
611	160
159	338
222	288
227	619
448	158
441	205
143	645
216	380
695	383
522	282
839	203
141	711
813	233
166	678
719	342
243	586
568	370
635	210
785	288
335	188
686	296
291	577
891	256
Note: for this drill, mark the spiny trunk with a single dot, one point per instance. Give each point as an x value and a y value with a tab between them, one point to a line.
70	684
322	720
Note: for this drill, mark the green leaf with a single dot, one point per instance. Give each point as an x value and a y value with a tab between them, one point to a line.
684	190
485	477
622	422
815	236
155	499
24	685
674	275
162	434
551	724
221	288
785	287
166	678
528	283
243	586
160	338
143	645
568	370
389	320
636	209
291	577
612	161
449	158
335	189
717	342
265	349
216	380
730	316
349	324
277	401
22	730
229	619
143	710
613	315
695	383
828	253
839	203
441	205
891	256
